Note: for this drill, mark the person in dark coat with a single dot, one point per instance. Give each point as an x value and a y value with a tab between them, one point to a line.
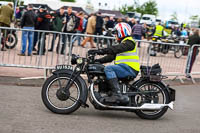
6	14
28	23
110	23
57	25
194	39
42	23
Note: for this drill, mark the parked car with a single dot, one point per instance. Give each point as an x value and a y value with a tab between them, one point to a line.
150	20
171	23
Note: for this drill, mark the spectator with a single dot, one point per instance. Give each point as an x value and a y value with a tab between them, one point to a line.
85	20
106	19
119	20
27	23
194	39
6	14
91	26
111	23
138	31
176	31
43	24
99	24
57	25
79	29
132	22
71	23
126	20
18	13
184	33
36	35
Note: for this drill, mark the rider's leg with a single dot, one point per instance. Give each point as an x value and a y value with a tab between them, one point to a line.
113	72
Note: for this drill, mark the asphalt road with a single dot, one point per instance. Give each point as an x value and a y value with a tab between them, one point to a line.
22	111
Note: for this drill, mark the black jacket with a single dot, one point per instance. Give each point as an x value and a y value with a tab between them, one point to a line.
43	21
28	19
110	24
194	39
117	49
99	22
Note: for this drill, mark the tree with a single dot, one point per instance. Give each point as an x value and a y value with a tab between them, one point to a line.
174	17
68	0
149	7
194	18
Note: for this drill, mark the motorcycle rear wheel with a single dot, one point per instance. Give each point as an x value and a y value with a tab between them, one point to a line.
161	98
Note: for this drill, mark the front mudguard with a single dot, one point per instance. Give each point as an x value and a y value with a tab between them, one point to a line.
171	92
84	90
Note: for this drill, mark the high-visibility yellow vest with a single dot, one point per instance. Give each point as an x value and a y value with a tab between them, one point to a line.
159	31
129	58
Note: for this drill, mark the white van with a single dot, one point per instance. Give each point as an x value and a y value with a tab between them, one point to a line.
134	15
148	19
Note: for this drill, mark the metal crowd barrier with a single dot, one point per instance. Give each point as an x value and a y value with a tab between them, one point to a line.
171	66
10	57
193	62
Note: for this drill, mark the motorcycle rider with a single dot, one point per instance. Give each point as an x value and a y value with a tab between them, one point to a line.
126	61
158	31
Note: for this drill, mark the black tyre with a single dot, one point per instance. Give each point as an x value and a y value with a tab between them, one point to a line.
178	51
162	98
11	41
58	102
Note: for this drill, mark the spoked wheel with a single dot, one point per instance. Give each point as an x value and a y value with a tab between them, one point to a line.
11	41
154	93
59	100
178	51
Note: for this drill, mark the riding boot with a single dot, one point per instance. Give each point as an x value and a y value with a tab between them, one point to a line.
117	95
3	41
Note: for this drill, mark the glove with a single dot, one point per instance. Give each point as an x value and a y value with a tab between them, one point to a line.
92	52
97	61
95	51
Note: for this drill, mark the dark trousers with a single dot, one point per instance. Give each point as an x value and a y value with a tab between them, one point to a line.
42	43
5	34
66	39
194	55
53	41
138	37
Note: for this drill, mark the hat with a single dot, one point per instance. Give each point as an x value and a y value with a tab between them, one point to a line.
30	6
42	7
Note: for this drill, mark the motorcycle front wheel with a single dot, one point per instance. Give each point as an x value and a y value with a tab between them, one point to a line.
156	93
56	99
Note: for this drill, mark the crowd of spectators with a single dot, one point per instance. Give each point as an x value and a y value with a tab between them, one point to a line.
67	21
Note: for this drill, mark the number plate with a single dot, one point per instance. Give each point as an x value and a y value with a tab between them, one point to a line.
65	67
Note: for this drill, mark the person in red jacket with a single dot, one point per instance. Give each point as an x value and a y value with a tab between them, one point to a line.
79	30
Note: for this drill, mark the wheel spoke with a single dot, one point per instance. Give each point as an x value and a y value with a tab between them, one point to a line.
72	99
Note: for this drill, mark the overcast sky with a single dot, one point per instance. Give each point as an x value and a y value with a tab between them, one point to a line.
184	8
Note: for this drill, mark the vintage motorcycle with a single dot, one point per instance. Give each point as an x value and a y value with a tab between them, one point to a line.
66	90
157	47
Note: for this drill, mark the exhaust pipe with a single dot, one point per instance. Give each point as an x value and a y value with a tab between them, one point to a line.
146	106
149	106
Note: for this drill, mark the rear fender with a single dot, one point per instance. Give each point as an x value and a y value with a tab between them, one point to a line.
171	92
